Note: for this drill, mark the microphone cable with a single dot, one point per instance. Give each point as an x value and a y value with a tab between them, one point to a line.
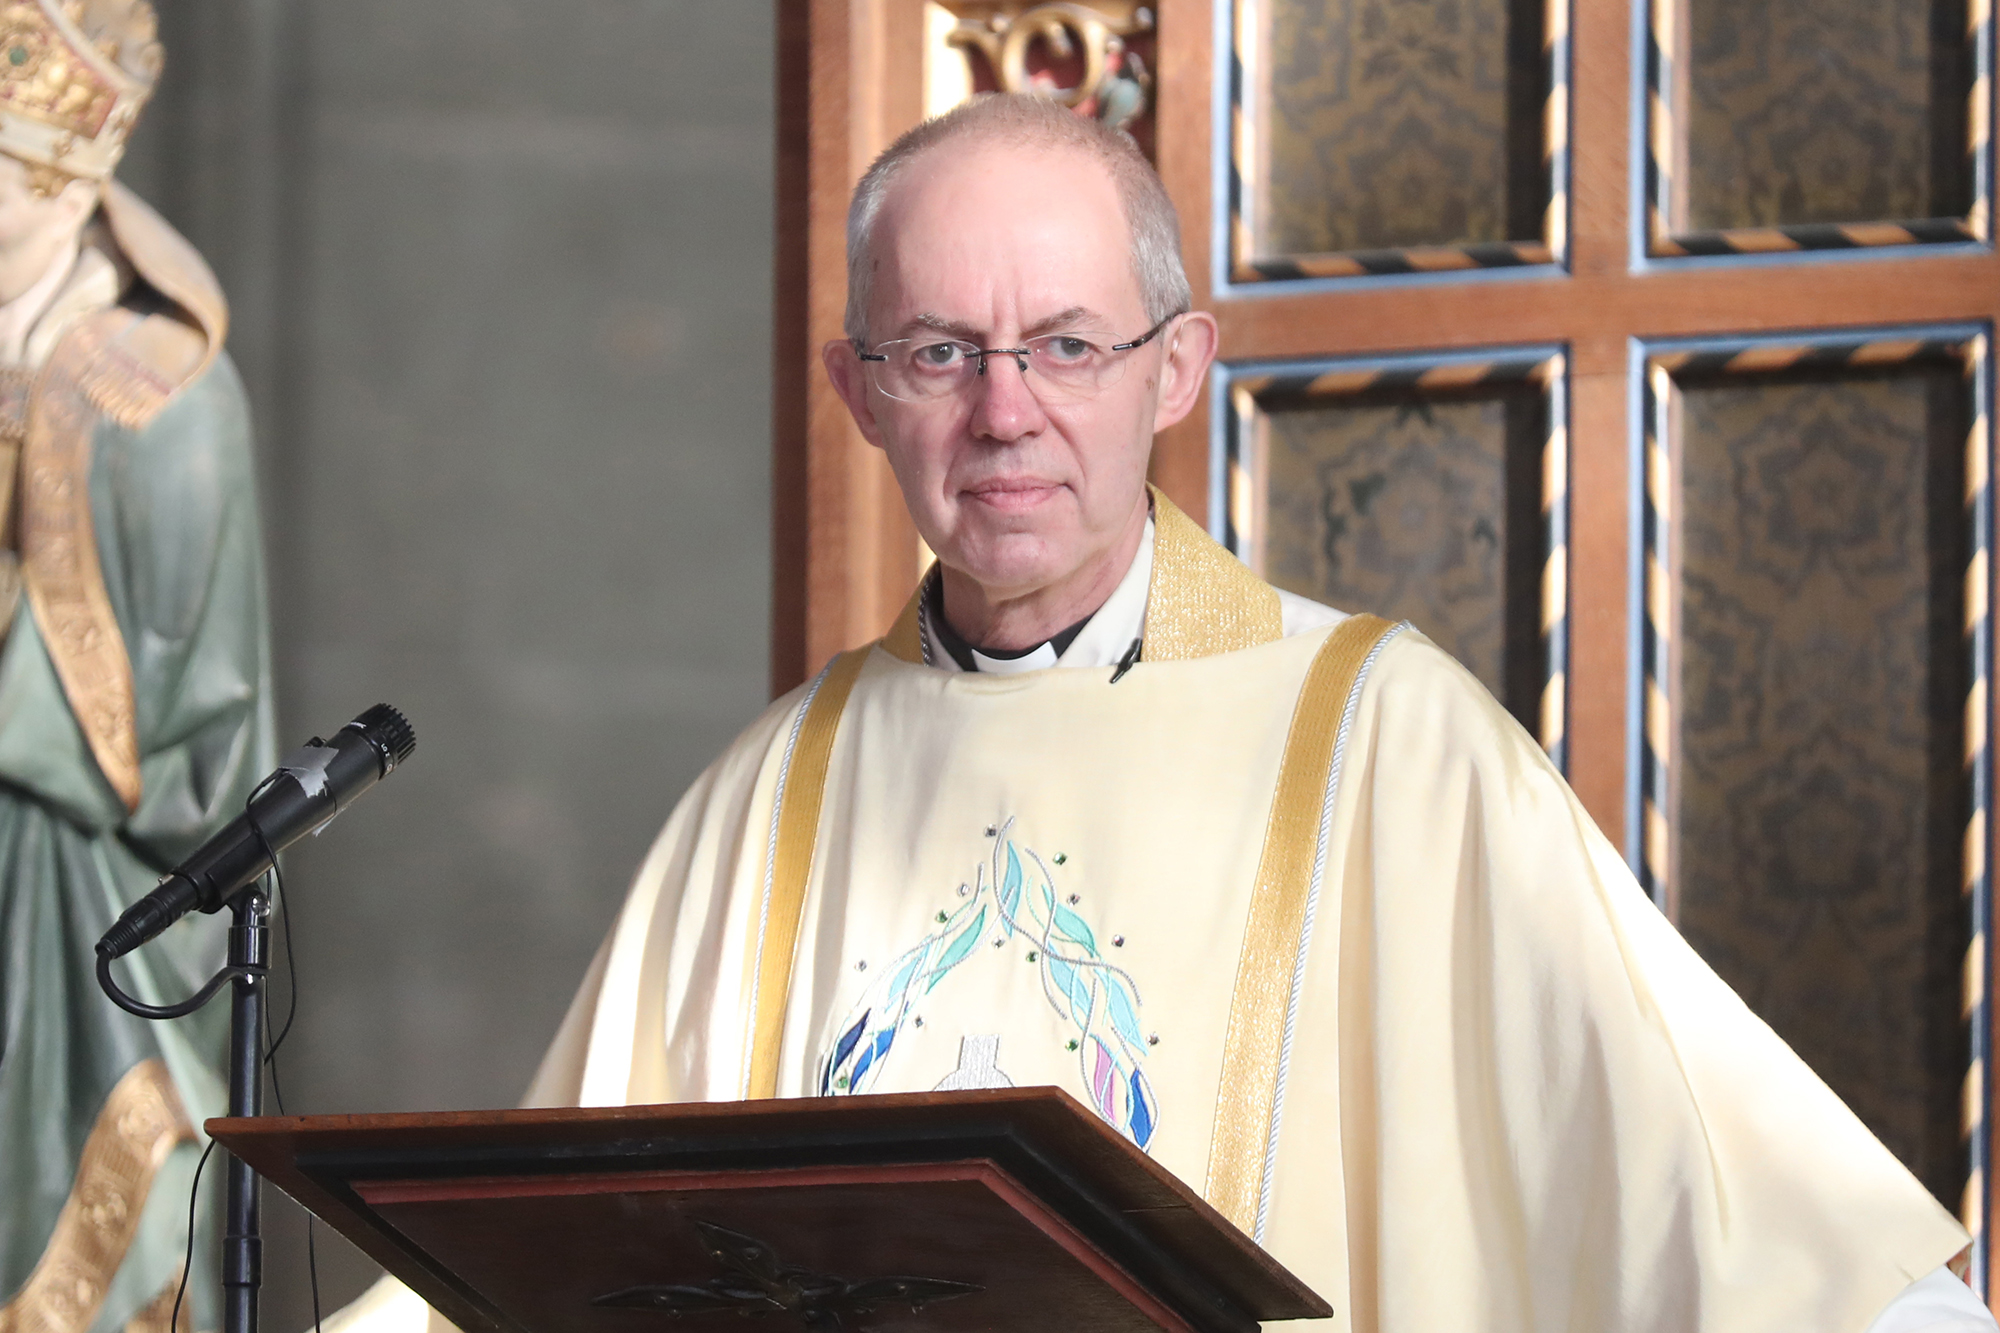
187	1259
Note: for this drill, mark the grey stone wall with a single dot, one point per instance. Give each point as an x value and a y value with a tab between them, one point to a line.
501	274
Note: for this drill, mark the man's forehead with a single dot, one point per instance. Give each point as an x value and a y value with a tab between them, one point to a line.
1039	230
965	181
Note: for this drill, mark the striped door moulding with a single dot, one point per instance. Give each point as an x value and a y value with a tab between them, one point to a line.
1666	132
1242	393
1660	368
1239	71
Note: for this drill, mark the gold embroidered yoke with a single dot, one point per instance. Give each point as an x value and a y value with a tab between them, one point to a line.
1309	918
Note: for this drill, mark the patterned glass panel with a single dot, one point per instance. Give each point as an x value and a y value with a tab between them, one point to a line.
1390	124
1422	507
1824	111
1819	785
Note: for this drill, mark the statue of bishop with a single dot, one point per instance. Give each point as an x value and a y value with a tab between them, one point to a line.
135	699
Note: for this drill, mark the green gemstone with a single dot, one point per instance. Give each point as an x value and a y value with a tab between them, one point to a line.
1032	955
1061	857
840	1082
942	918
17	55
1071	1045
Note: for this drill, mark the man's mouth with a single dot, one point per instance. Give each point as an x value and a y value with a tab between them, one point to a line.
1013	495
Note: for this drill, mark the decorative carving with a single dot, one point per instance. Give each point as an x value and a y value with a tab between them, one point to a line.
756	1281
1111	83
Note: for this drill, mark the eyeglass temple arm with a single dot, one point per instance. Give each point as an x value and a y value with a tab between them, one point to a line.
1149	334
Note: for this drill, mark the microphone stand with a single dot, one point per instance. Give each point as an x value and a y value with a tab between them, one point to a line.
242	1240
247	969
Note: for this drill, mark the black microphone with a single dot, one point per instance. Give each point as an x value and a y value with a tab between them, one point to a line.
314	783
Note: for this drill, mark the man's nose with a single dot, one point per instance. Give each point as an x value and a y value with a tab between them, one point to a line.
1005	406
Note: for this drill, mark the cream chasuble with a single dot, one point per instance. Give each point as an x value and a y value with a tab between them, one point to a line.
1352	961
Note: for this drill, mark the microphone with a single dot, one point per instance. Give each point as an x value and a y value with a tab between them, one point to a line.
314	783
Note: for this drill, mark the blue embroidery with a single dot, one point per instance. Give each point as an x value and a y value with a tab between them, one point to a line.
1013	894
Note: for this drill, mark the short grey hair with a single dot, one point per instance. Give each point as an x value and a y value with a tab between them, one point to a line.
1026	119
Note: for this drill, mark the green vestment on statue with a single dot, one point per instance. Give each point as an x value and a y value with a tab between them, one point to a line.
97	1107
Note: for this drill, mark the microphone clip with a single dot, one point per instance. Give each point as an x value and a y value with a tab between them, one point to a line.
249	959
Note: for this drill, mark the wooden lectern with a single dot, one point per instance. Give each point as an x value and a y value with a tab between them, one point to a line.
1004	1210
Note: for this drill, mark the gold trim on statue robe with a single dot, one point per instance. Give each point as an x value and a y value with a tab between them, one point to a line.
124	365
139	1125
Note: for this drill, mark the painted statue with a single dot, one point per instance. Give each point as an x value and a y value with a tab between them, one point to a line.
135	709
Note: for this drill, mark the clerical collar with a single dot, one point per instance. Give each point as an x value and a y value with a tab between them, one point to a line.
992	661
1109	637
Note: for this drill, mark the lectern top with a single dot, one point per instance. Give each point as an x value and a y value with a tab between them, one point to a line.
997	1209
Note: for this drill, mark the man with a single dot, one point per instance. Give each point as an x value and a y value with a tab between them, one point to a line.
134	674
1282	894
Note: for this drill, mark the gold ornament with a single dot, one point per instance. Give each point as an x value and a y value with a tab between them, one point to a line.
1115	86
74	75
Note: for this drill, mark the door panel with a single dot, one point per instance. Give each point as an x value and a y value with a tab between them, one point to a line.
1802	124
1393	136
1431	490
1810	781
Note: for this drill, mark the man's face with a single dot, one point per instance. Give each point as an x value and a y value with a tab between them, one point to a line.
1009	483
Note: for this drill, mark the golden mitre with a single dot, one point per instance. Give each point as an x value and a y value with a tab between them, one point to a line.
73	77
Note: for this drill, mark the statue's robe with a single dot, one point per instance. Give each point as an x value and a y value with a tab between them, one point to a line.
1309	918
135	716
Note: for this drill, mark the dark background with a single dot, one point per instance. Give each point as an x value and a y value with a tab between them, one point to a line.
500	275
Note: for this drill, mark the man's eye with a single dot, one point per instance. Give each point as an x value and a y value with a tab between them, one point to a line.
1064	348
938	356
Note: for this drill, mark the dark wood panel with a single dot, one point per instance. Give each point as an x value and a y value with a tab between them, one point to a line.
1819	792
1391	124
1409	502
1821	111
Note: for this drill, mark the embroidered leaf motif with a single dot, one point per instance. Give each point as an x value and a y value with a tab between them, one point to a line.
1124	1017
1071	927
912	961
968	939
1103	1080
1072	987
1145	1113
1099	1001
876	1050
1010	890
849	1037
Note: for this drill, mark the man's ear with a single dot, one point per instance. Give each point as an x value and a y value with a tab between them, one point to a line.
850	381
1191	342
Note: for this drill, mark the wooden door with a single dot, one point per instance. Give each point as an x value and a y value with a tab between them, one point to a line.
1638	352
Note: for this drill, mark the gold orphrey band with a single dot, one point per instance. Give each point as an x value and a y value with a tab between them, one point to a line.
1247	1105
